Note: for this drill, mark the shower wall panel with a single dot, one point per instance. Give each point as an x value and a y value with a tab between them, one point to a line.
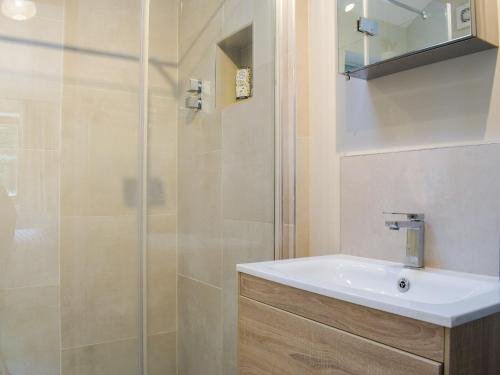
226	181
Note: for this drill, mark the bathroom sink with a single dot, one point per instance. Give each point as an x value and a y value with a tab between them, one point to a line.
436	296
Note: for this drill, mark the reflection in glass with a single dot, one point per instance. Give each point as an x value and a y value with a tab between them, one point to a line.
401	27
19	10
9	140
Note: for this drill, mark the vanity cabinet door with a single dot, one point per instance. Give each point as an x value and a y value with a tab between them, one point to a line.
409	335
275	342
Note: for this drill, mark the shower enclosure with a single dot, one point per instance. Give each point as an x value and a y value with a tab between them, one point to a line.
122	211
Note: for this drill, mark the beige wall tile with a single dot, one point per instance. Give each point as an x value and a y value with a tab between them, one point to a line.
456	189
226	169
31	74
162	274
162	149
199	20
99	274
199	222
119	357
248	193
200	328
51	9
111	31
38	181
28	72
112	25
99	152
244	242
29	331
163	43
248	154
162	352
105	70
31	86
197	58
39	28
264	24
41	125
36	123
29	252
237	13
199	133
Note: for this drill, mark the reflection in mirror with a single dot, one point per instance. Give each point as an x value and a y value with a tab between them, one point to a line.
371	31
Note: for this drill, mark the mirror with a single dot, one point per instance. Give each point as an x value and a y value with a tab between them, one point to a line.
373	31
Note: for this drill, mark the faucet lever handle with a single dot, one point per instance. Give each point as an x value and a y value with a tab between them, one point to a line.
409	216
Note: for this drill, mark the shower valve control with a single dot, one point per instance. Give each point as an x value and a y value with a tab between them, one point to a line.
194	100
195	86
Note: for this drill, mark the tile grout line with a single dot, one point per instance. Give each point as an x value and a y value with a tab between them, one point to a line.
200	281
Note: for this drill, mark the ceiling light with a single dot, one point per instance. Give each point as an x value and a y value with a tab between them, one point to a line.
349	7
19	10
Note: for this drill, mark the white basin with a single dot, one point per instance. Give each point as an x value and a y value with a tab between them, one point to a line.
436	296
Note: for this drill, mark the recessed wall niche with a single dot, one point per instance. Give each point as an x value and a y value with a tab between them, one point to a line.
233	53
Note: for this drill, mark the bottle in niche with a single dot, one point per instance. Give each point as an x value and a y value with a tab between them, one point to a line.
243	83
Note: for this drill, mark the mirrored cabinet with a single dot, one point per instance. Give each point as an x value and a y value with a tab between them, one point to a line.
381	37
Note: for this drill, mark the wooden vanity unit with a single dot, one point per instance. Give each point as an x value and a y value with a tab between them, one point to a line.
288	331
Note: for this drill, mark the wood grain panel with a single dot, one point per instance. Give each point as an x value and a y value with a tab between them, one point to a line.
423	339
275	342
486	20
474	348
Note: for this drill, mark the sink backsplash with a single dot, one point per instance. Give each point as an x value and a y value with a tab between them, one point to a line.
457	188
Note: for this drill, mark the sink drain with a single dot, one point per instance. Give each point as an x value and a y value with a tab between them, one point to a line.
403	285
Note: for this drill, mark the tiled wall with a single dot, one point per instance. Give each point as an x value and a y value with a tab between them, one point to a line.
30	122
226	182
69	138
457	190
99	237
162	192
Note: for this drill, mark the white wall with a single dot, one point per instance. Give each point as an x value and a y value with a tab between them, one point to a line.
452	103
324	163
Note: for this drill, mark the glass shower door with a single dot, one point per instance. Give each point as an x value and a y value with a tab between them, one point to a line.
69	178
123	213
100	178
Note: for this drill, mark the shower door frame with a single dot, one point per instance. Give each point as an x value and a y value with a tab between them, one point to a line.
142	207
285	129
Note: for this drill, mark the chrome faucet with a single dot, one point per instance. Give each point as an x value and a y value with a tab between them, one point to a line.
415	230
